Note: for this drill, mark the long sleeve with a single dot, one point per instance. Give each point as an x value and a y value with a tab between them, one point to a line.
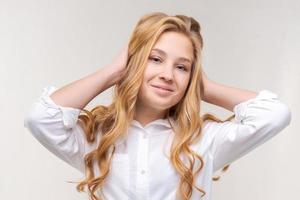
56	128
256	121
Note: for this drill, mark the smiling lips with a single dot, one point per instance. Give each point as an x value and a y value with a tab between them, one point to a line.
163	87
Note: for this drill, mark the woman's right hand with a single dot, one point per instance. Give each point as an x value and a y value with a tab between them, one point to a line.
118	65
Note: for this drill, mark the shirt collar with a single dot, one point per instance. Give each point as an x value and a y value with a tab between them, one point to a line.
157	122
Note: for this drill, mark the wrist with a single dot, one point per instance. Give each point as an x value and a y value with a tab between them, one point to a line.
205	87
114	74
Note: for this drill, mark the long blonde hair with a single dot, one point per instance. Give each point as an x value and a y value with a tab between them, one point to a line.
113	121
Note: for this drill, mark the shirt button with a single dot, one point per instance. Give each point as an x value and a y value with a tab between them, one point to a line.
143	172
145	135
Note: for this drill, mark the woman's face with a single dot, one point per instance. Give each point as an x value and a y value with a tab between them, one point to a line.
169	66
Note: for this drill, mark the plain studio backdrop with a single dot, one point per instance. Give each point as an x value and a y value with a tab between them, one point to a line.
247	44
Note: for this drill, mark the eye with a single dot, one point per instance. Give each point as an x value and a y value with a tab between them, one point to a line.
158	60
155	59
182	67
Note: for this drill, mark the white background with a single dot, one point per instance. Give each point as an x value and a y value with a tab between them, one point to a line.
248	44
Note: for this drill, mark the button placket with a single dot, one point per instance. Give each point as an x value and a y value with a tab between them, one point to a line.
142	166
145	135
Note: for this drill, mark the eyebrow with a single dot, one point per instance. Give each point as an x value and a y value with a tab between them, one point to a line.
164	53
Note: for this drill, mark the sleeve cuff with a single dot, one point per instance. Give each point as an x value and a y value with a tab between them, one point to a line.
240	109
69	114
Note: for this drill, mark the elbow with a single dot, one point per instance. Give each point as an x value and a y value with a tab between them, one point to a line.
28	119
31	117
282	118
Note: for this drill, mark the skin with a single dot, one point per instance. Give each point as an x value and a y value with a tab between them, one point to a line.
165	67
150	106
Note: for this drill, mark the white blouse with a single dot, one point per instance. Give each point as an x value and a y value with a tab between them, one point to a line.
141	169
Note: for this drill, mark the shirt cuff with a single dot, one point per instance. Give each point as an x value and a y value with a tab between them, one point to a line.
69	114
240	109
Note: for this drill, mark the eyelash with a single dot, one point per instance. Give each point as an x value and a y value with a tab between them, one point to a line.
153	58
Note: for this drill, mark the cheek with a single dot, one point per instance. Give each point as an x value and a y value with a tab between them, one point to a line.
149	72
144	89
182	82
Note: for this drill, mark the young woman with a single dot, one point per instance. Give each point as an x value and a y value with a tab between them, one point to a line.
151	142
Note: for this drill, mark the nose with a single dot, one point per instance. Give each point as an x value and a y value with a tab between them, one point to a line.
166	73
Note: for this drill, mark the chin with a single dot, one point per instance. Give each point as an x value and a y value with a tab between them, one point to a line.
159	104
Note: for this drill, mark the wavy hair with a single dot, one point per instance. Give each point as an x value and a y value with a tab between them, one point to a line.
113	121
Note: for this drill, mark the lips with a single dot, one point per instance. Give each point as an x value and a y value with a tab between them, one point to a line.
163	87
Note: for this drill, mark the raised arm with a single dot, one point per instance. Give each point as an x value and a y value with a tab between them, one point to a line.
258	118
224	96
52	119
79	93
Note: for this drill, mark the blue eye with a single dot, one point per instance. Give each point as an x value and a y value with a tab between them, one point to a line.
158	60
183	67
155	59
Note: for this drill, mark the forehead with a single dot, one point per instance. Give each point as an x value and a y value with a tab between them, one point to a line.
174	45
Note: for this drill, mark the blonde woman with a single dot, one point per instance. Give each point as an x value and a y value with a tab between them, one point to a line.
151	142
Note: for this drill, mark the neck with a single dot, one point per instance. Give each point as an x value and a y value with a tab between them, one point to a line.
144	114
